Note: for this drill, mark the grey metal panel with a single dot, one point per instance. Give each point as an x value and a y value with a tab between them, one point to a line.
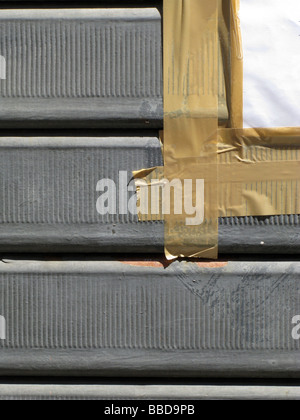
148	392
140	318
265	235
81	68
48	194
48	200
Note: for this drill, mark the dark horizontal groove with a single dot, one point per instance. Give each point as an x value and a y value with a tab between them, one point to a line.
115	318
80	3
87	68
152	259
48	201
46	4
131	381
86	132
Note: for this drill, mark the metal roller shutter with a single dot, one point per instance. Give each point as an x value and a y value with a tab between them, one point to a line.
141	318
81	68
48	200
147	392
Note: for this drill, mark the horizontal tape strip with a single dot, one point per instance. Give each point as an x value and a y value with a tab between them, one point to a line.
245	189
259	172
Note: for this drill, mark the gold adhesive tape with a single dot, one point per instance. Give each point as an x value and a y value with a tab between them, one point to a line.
259	172
257	176
259	169
191	88
236	56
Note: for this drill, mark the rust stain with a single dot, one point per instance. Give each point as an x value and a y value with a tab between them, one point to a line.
164	263
212	264
146	263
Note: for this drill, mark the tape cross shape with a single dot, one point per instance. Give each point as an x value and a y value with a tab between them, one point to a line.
212	169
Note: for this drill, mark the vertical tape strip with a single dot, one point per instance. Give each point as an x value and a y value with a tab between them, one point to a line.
237	67
190	127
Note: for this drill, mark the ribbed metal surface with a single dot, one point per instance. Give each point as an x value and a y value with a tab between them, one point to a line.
148	392
57	311
280	220
81	67
55	183
113	318
48	200
48	193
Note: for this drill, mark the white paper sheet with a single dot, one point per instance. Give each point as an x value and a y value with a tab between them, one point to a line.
271	46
